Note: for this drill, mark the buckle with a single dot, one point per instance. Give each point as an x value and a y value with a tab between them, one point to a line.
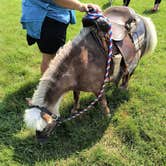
55	117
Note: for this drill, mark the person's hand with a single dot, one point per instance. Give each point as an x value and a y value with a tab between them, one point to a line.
85	7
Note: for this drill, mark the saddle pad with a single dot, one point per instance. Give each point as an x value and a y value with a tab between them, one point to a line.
138	36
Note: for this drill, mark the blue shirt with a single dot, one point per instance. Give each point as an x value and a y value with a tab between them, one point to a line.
35	11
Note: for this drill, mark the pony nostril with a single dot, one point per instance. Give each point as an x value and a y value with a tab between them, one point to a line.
41	136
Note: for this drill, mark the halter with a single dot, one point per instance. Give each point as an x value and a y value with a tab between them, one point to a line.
45	110
92	15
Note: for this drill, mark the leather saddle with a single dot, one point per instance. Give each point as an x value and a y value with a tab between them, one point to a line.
122	19
125	24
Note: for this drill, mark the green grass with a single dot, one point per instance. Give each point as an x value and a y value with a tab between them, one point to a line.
134	135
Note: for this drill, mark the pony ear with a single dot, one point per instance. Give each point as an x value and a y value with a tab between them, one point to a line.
29	101
46	117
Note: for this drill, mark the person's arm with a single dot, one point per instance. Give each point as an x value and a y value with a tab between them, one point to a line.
76	5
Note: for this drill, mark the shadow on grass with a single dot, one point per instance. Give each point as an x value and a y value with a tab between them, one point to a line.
71	137
149	12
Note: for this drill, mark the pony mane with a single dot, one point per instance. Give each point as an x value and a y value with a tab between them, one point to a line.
56	68
63	55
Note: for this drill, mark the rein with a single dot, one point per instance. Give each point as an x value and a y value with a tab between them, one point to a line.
58	121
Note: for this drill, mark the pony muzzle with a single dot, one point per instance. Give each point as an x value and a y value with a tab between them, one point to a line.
48	118
42	136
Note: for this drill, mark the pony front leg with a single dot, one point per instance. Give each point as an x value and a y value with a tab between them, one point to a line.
76	106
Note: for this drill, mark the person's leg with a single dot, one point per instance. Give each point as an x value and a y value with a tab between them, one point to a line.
126	2
156	5
53	36
157	1
46	58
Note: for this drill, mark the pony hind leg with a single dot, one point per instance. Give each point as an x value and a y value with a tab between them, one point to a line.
125	81
76	105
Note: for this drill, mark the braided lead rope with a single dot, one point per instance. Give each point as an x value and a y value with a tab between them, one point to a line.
94	15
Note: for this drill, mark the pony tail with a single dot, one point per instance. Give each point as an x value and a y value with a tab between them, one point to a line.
151	35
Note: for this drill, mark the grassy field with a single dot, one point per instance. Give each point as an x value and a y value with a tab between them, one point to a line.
133	136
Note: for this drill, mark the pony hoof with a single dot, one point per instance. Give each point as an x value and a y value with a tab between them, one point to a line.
74	111
107	112
108	115
123	87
